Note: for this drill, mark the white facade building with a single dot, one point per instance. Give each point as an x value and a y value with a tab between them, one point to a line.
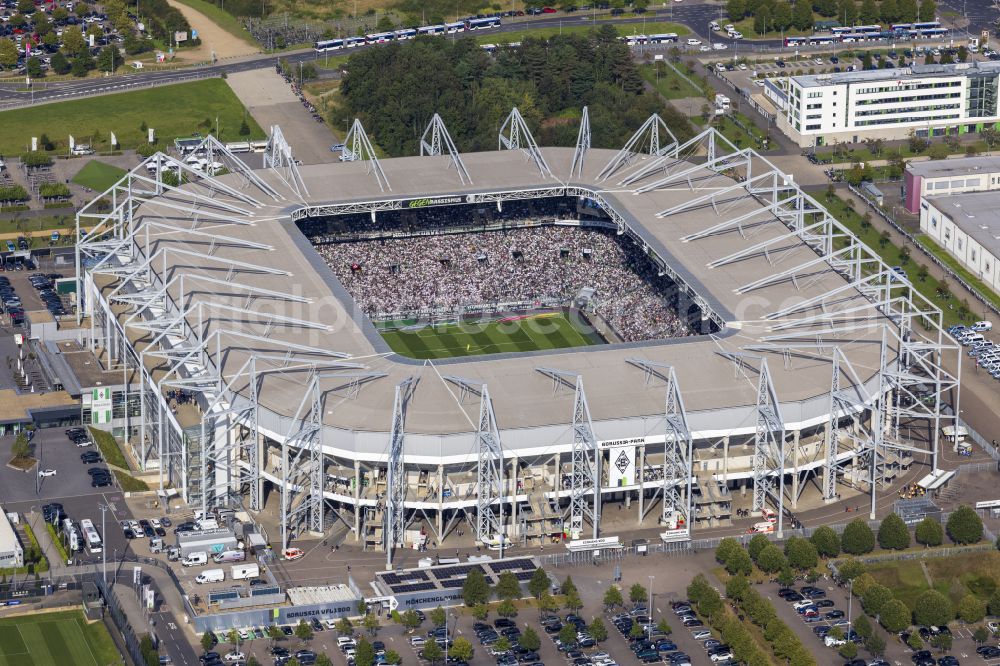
968	226
929	100
935	178
11	553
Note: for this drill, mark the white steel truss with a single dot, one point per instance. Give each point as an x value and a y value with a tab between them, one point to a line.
278	157
516	135
650	139
436	140
357	146
582	145
394	515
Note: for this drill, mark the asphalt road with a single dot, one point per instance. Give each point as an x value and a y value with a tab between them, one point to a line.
696	16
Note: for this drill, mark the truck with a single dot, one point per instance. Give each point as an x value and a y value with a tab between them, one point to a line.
210	576
195	559
207	541
245	571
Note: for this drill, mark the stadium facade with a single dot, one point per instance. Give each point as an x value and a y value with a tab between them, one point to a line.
817	366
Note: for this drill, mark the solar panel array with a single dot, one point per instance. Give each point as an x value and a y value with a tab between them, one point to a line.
259	590
453	576
415	587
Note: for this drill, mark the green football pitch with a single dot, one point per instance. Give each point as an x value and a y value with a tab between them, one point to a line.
532	332
55	639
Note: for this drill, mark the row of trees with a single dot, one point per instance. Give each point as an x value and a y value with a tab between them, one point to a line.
783	642
772	15
396	90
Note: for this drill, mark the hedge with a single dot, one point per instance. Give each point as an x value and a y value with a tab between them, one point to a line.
52	190
36	159
13	193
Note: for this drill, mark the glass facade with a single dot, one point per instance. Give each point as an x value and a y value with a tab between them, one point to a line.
981	100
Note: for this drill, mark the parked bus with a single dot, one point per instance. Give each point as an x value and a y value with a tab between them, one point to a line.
431	30
91	536
328	45
483	23
663	38
862	29
796	41
451	28
404	34
378	38
352	42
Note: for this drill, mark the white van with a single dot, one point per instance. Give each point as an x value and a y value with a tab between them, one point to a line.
210	576
981	326
972	339
229	556
195	559
245	571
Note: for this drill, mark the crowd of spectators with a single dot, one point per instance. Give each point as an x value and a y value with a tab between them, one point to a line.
453	273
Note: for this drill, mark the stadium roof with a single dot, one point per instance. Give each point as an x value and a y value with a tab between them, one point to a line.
778	271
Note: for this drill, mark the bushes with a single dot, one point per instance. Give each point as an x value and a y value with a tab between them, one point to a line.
893	533
895	616
36	159
53	190
964	526
858	538
13	193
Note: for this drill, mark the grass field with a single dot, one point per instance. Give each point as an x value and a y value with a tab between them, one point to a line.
55	639
954	577
98	176
177	110
533	332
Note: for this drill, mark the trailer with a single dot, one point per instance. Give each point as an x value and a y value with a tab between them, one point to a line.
207	541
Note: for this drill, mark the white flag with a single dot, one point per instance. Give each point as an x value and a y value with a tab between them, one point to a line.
114	139
72	142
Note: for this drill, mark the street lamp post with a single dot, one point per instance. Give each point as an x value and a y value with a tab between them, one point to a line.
649	597
104	551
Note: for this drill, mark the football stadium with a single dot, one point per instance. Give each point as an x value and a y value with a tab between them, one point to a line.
513	340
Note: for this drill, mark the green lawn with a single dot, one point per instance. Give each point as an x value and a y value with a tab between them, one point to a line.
532	332
668	83
12	224
55	639
176	110
98	176
109	448
954	577
953	264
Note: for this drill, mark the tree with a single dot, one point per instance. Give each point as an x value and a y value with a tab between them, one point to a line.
8	53
244	128
884	239
964	526
598	631
869	12
34	67
736	9
303	631
914	641
826	540
863	626
475	590
942	642
410	620
507	608
971	609
364	654
726	548
802	14
874	598
981	634
636	631
932	609
274	633
929	531
928	10
637	593
438	616
737	587
502	645
757	543
847	13
771	560
739	562
371	623
233	637
888	11
108	59
462	649
786	577
613	597
344	626
529	639
73	42
906	10
963	53
801	553
323	660
893	533
894	616
567	635
994	603
392	657
848	650
539	583
875	644
858	538
507	587
664	627
25	6
568	586
432	652
59	63
207	641
572	601
548	604
482	611
20	447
